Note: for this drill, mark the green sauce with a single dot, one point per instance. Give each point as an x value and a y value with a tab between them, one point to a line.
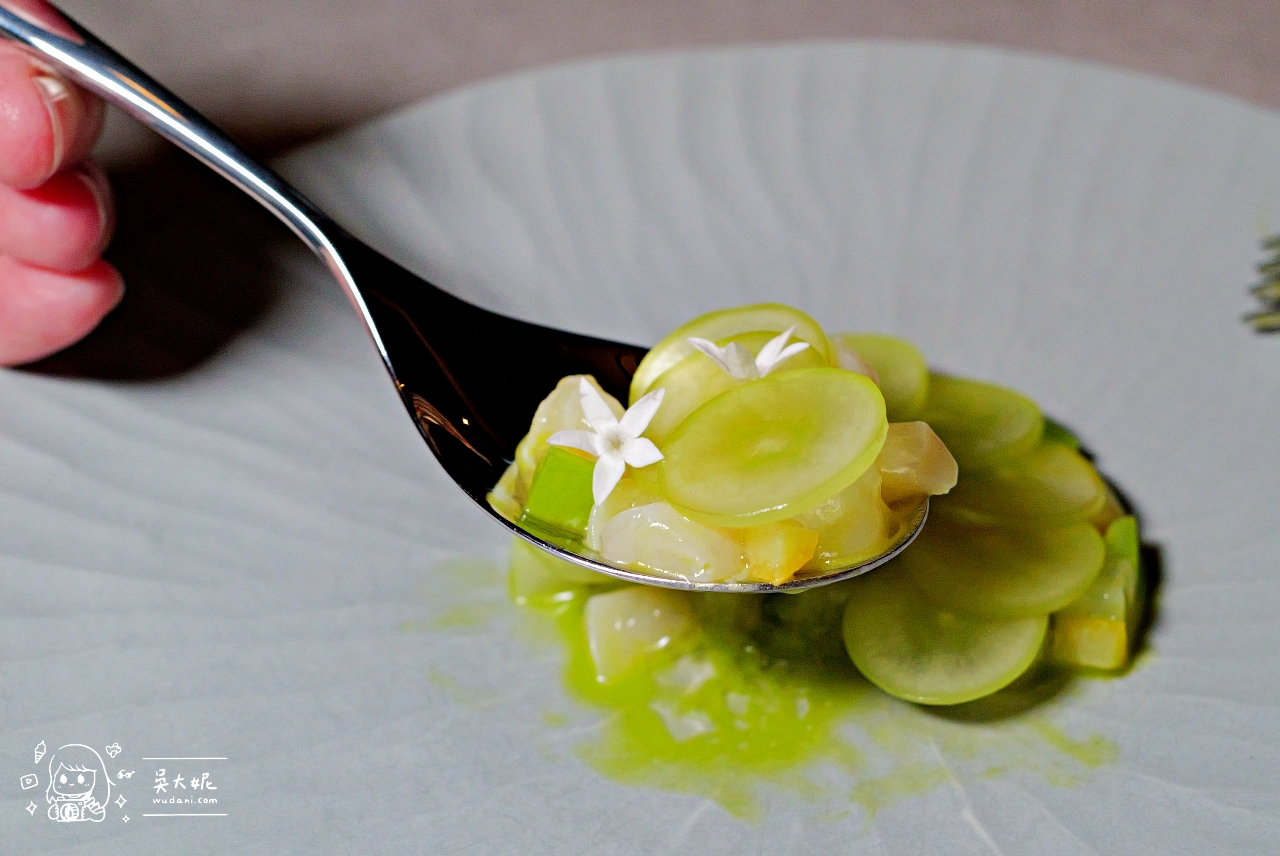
765	702
766	699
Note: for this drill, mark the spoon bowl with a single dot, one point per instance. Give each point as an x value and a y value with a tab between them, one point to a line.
471	379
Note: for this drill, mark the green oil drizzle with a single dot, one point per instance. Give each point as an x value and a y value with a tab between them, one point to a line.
771	701
765	700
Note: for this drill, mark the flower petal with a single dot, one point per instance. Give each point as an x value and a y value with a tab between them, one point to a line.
638	415
711	350
606	475
741	366
594	408
789	351
641	452
582	440
768	355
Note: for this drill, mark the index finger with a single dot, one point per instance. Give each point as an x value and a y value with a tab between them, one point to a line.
46	122
41	14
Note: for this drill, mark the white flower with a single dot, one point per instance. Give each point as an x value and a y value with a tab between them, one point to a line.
735	359
615	442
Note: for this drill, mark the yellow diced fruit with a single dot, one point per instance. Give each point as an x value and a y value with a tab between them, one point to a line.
914	463
1096	643
775	551
626	626
1096	629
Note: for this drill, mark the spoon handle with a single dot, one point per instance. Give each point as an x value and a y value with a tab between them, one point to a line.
76	52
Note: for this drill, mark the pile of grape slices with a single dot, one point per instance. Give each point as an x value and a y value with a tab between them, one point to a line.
818	462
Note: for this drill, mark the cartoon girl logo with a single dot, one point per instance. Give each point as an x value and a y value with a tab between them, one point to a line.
79	785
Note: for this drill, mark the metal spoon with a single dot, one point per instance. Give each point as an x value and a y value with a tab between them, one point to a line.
471	379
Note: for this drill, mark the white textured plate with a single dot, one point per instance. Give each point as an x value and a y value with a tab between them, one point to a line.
260	561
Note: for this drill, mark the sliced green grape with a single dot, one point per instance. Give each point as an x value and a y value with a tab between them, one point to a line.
697	379
981	423
1004	573
904	375
1052	486
727	323
773	448
1056	432
1123	543
915	651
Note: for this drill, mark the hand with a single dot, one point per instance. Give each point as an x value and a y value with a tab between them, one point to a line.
56	212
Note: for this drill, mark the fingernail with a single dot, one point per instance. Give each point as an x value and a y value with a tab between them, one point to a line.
53	91
98	189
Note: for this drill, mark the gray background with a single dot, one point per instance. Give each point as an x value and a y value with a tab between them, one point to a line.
281	72
278	74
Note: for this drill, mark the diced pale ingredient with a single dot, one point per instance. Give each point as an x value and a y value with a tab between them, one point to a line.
775	551
900	370
773	448
1004	573
982	424
560	497
626	626
681	724
915	651
853	526
914	463
537	576
1111	511
697	379
629	493
851	361
725	324
659	540
508	495
1097	629
559	411
686	675
1051	486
